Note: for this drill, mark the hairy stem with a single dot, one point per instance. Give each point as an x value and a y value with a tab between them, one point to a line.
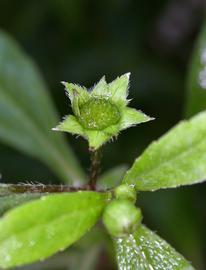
8	189
95	157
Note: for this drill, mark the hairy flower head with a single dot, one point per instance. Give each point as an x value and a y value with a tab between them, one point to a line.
102	112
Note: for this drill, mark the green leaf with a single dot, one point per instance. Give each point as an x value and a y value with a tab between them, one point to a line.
70	124
83	254
27	113
178	158
133	117
112	177
145	250
11	201
38	229
119	89
77	95
100	87
72	259
196	80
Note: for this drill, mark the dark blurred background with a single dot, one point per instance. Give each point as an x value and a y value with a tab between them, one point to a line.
80	41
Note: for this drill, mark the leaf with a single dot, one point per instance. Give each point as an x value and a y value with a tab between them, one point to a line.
119	89
70	124
84	253
178	158
100	87
196	80
144	250
78	95
112	177
71	259
176	215
11	201
27	113
133	117
38	229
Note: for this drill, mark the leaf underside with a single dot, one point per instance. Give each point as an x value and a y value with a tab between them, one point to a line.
178	158
38	229
144	250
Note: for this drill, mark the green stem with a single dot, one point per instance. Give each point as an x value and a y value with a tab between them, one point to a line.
95	157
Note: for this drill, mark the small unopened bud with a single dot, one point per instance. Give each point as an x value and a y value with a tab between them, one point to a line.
125	192
98	114
121	218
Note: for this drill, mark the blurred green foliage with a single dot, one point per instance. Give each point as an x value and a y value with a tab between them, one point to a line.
27	113
196	82
79	41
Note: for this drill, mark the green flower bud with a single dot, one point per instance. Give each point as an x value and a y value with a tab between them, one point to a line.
125	192
121	218
102	112
98	114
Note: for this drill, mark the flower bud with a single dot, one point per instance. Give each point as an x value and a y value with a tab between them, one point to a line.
98	114
125	192
101	112
121	218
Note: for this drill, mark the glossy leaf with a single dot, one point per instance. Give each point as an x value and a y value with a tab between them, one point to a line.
178	158
27	113
144	250
38	229
196	81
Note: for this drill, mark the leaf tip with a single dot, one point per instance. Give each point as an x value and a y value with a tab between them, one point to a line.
151	118
63	83
127	74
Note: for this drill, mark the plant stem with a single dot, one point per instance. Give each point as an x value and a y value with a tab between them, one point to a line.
95	157
8	189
